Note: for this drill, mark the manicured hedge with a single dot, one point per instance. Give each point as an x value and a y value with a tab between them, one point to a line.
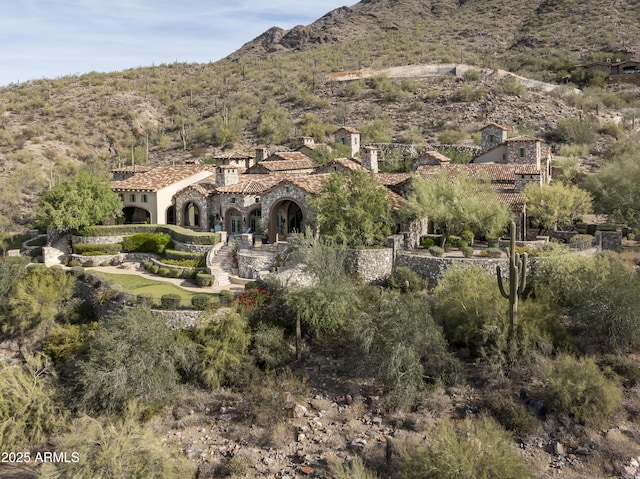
174	254
92	249
146	243
201	301
436	251
182	235
203	279
170	301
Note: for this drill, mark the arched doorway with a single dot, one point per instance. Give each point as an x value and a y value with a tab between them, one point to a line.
286	218
255	219
171	215
135	215
191	214
233	222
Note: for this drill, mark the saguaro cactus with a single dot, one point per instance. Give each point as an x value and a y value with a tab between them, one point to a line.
517	280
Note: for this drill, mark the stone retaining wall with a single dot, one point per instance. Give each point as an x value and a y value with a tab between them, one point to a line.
191	248
96	239
432	268
249	265
372	266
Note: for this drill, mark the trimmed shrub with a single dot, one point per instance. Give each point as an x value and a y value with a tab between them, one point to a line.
145	299
155	268
436	251
190	273
226	296
578	388
180	255
74	263
468	236
494	253
170	301
428	242
467	251
89	263
606	227
186	263
201	302
175	273
147	243
182	235
164	272
204	279
95	249
148	265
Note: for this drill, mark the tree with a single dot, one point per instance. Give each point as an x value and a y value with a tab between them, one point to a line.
132	357
354	210
274	124
556	204
616	188
458	203
83	201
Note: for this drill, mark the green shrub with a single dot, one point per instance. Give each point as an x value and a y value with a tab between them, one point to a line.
179	255
190	273
436	251
624	367
89	263
469	449
148	265
182	235
185	263
606	227
578	388
513	415
164	272
175	273
92	249
170	301
74	263
269	347
146	243
201	302
204	279
451	137
428	242
155	268
494	253
226	296
405	279
145	299
467	251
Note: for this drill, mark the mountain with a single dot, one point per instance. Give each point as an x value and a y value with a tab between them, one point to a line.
290	83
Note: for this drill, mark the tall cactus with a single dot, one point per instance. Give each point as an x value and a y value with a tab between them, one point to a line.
517	280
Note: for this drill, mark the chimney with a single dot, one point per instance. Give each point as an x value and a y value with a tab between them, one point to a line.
370	158
305	141
226	175
261	154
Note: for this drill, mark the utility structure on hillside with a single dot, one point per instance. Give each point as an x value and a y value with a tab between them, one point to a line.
517	281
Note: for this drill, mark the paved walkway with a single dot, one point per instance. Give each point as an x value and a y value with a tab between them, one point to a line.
133	268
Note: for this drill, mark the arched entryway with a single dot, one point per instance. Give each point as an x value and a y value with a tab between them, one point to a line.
286	218
135	215
171	215
233	222
191	215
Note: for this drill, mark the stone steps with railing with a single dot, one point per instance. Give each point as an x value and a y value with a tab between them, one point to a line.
219	264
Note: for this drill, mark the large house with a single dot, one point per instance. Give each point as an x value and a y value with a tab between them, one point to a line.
268	194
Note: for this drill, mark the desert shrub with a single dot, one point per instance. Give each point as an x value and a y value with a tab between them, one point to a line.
451	137
131	358
201	301
494	253
436	251
511	414
427	242
89	263
116	449
510	86
66	341
269	347
575	130
472	74
147	243
624	367
467	251
581	238
469	449
170	301
204	280
405	279
145	299
577	388
29	412
353	470
164	272
468	93
468	236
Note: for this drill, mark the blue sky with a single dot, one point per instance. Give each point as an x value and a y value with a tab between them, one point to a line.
54	38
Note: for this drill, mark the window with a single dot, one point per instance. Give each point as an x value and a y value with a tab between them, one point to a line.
121	197
521	152
144	198
233	200
132	198
257	199
492	139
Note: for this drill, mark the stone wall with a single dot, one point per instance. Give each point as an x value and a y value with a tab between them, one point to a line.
192	248
51	256
372	266
250	264
97	239
608	240
432	268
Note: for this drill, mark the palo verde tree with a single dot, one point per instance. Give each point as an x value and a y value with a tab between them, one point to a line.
458	203
354	210
85	200
556	204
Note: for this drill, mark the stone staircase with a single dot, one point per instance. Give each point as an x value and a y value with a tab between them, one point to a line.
220	266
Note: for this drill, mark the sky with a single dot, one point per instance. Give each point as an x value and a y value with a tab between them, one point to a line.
55	38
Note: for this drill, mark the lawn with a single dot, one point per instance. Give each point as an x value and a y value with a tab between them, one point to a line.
135	284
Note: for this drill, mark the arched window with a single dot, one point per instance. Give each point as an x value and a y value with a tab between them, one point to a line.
191	215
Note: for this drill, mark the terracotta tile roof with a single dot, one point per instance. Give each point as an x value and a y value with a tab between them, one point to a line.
234	155
522	138
352	164
437	156
497	172
254	185
132	169
159	178
392	179
287	156
283	166
494	125
347	129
